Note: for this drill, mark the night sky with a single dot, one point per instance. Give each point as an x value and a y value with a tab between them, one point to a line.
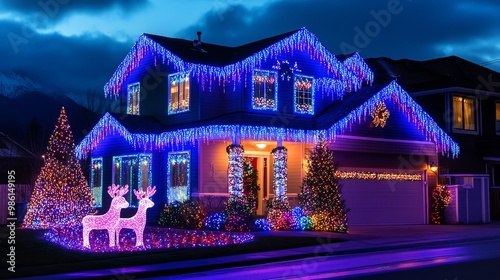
76	45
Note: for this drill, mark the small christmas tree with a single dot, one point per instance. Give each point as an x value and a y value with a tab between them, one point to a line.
61	197
250	185
321	195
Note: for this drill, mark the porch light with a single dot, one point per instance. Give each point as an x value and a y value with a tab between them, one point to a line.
261	145
433	167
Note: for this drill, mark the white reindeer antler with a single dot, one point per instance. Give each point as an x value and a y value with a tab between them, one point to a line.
122	191
140	194
112	190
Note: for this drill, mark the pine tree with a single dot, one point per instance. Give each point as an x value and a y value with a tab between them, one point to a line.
61	197
321	195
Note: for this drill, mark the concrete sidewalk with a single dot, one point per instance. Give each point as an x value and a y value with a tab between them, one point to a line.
360	239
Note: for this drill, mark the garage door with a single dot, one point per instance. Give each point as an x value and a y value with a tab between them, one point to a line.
384	202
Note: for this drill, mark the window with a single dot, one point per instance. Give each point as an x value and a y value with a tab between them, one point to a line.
133	96
497	117
178	97
132	170
96	181
464	113
303	94
178	176
264	90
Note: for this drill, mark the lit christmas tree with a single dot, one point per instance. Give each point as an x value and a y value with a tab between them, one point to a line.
61	197
321	195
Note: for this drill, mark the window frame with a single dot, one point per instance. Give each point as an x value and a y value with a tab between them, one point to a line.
275	100
130	197
185	79
174	156
475	114
295	97
129	109
97	202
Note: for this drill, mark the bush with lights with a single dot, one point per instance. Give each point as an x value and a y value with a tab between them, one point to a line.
186	215
61	197
215	221
321	195
441	198
239	215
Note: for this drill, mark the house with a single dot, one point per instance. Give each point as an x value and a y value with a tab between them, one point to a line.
19	162
464	99
192	112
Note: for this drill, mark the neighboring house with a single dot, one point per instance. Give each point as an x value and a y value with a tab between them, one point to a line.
20	163
464	99
184	103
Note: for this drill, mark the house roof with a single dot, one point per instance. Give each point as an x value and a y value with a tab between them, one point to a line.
11	149
446	72
230	63
216	55
149	134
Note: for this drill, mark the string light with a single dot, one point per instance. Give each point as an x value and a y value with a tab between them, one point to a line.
302	40
280	172
264	90
363	175
303	94
154	238
235	171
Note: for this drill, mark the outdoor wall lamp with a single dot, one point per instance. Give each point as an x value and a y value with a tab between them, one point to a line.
261	145
433	167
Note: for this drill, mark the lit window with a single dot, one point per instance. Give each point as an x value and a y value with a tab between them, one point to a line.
464	113
132	170
264	90
498	117
96	181
133	96
304	94
178	97
178	176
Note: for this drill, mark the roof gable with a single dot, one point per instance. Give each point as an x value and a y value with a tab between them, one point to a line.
230	63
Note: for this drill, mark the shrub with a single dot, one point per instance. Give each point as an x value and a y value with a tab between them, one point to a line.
187	215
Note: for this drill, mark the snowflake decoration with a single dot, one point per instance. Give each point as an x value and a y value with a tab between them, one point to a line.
380	115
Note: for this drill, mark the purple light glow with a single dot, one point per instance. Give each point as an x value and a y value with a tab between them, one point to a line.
154	238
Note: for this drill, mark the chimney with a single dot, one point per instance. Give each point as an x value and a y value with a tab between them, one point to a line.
199	37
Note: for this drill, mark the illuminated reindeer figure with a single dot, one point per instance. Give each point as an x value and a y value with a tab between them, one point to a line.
109	220
138	221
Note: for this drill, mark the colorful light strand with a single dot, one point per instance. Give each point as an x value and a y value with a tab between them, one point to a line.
154	238
363	175
280	172
302	40
235	171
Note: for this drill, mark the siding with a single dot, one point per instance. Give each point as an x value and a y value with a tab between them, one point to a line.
213	167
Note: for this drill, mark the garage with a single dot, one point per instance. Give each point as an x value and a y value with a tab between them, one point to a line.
384	202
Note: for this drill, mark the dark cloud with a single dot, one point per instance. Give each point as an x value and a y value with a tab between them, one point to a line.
51	11
73	63
391	28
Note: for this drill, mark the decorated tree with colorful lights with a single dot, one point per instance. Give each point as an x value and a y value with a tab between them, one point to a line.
250	184
61	197
321	195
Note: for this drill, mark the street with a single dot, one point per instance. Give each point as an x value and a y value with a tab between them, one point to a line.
460	260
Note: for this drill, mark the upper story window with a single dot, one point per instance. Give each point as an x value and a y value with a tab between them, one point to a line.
265	90
178	93
464	113
303	94
133	97
497	117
